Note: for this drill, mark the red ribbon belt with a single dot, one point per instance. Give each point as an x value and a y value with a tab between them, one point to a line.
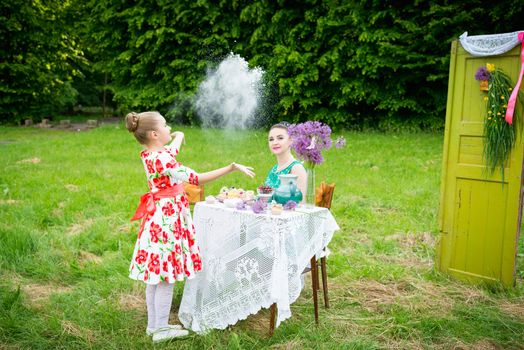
147	201
513	97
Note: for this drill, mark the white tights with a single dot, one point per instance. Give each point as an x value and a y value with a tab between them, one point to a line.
158	300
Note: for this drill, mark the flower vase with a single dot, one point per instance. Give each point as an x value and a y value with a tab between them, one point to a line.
310	194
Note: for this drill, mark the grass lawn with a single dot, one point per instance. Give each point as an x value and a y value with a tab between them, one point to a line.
66	240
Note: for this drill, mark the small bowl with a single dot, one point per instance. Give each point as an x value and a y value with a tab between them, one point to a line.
265	196
211	200
232	202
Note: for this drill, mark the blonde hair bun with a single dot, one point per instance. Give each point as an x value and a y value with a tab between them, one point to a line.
141	124
132	121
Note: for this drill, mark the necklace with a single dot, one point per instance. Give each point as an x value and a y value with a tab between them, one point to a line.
279	169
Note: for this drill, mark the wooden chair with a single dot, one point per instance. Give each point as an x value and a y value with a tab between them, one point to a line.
323	198
194	193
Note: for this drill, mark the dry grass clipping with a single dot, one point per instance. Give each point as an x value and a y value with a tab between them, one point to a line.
29	161
412	294
417	296
514	309
135	300
411	344
383	210
87	257
410	244
72	188
128	228
410	261
411	240
292	344
258	322
453	344
80	227
59	211
73	329
9	201
37	294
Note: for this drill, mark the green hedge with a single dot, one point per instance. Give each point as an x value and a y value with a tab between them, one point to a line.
40	56
352	64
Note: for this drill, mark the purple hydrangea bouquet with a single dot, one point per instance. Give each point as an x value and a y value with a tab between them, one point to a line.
483	74
310	139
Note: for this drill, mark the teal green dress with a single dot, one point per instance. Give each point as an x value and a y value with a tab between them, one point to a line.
272	179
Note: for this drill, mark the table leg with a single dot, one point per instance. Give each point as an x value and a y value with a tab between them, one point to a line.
318	278
272	318
314	281
323	267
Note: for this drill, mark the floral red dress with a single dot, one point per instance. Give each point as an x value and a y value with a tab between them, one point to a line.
165	250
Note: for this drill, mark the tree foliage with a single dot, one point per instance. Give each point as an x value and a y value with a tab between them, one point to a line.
366	63
158	52
351	64
40	57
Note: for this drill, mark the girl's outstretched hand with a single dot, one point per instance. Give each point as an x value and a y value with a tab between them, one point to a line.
244	169
178	134
177	138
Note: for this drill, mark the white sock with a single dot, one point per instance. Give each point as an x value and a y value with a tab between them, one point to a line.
150	302
163	300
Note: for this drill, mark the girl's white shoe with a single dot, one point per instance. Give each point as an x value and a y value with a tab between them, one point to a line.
166	334
151	331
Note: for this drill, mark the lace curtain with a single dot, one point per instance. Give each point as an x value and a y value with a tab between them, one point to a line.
489	45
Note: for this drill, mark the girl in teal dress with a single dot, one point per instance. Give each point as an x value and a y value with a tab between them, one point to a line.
280	145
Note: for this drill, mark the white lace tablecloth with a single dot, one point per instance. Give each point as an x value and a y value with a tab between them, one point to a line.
250	261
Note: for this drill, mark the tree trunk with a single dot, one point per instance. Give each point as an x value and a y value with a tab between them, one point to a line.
104	96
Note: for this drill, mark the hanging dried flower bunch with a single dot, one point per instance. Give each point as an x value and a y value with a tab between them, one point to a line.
499	135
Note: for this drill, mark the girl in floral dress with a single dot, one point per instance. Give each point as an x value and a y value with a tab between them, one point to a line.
165	249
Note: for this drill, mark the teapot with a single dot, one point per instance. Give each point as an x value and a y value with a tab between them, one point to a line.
288	190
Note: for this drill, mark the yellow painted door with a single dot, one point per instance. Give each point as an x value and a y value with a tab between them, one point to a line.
479	215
